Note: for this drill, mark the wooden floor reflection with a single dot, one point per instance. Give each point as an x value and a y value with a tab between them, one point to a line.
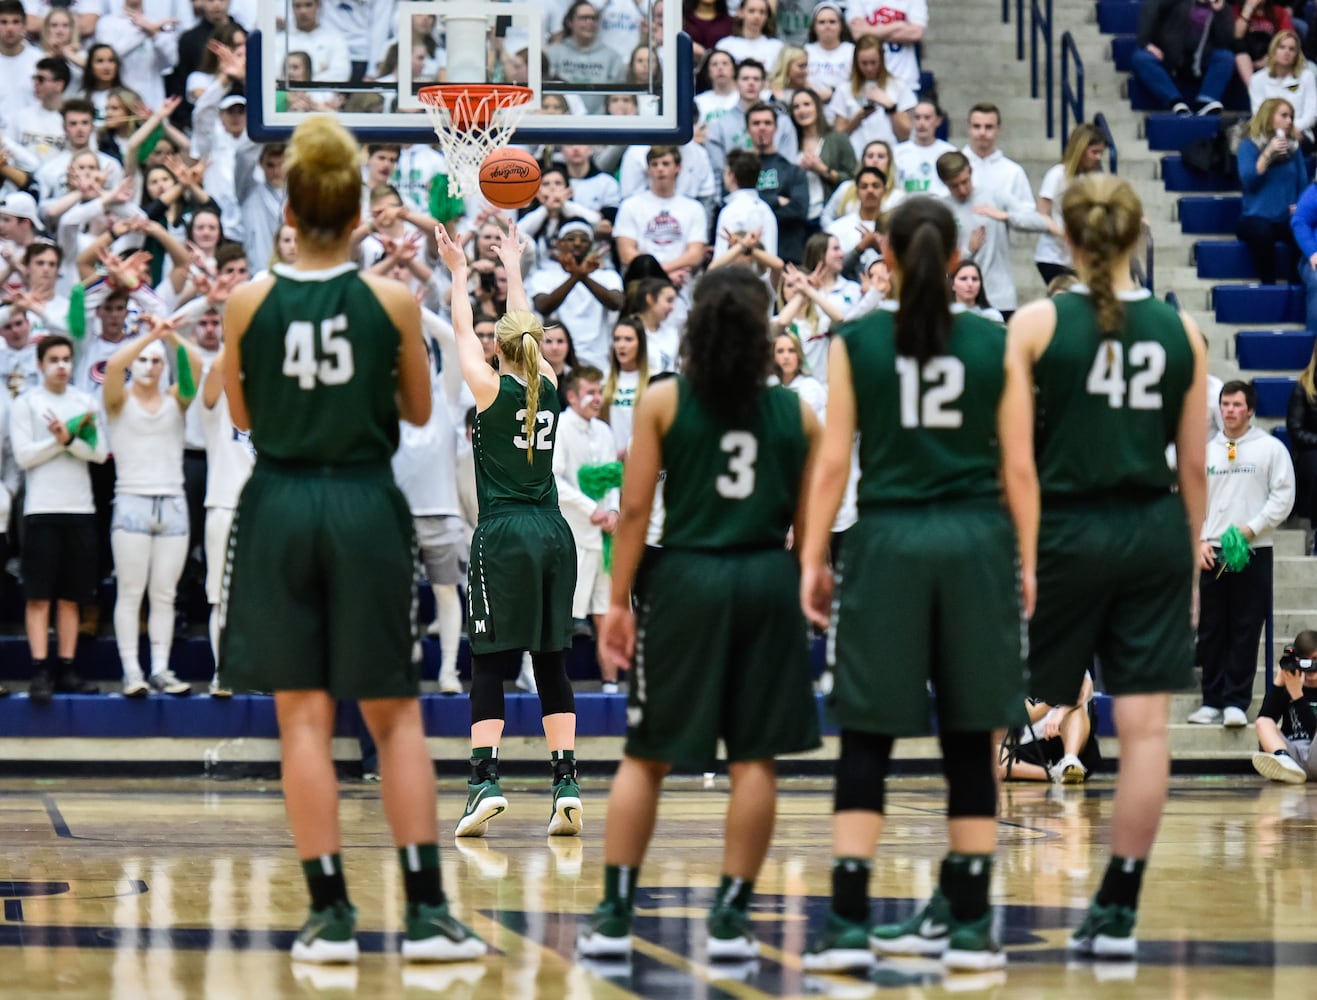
181	889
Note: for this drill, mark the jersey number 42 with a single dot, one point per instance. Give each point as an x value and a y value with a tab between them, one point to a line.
1147	361
301	360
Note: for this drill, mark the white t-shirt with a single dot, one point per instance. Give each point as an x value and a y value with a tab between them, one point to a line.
746	212
622	410
901	60
1052	249
425	464
876	125
695	178
16	80
584	316
829	68
712	105
916	167
663	345
763	49
662	227
620	22
148	449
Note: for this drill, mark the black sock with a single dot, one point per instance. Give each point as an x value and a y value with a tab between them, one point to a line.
420	873
1121	884
850	889
40	665
1281	753
620	886
324	877
964	881
65	665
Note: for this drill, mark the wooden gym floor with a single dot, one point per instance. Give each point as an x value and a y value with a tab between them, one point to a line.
186	888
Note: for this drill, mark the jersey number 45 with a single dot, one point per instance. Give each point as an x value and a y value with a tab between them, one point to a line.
332	365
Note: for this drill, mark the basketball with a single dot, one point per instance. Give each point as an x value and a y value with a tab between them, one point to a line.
509	178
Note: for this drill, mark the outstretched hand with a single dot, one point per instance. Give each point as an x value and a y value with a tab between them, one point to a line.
451	253
511	246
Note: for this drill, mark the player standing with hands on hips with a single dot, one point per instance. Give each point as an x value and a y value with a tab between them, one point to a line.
523	558
321	361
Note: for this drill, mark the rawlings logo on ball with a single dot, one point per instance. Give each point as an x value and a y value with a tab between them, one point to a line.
509	171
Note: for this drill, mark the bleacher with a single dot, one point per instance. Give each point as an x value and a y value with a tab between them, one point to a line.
1270	344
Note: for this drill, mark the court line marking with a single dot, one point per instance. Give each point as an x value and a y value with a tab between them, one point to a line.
695	970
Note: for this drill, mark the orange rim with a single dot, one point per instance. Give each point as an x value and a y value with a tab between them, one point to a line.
475	111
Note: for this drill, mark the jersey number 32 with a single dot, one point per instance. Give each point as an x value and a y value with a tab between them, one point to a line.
301	362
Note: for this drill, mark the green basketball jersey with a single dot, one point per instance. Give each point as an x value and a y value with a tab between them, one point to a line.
320	370
504	478
732	487
1107	409
926	432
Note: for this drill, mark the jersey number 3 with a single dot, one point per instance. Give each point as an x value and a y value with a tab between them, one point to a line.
300	361
741	448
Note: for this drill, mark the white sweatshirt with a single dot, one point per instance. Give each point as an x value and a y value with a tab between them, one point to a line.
1255	491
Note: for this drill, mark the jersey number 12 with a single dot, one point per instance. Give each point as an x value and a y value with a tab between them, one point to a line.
931	406
301	362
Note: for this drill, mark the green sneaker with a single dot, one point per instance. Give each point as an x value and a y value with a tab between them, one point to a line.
607	934
327	936
1107	932
842	946
434	935
925	933
972	947
731	938
566	818
484	801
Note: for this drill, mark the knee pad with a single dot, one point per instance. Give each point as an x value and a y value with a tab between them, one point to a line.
969	763
556	695
488	672
862	771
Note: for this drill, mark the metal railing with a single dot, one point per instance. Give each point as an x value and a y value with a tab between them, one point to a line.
1102	125
1040	23
1072	94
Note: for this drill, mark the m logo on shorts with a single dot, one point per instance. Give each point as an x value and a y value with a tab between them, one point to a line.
480	626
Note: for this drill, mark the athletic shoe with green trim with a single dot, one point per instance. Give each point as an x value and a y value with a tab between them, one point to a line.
926	933
1107	932
731	937
566	818
841	946
435	935
972	947
327	936
484	801
607	934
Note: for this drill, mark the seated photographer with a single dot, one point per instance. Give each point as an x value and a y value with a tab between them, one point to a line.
1059	744
1288	718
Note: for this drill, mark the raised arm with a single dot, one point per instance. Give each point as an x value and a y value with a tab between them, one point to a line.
114	392
482	379
511	248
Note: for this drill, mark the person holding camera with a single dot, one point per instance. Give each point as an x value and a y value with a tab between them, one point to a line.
1273	177
1287	722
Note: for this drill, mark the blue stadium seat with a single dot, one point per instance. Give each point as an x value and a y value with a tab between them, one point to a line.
1231	259
1240	304
1273	395
1178	177
1122	48
1273	350
1172	133
1118	17
1205	216
1281	433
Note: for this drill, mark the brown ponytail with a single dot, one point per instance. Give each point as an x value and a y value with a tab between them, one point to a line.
1103	219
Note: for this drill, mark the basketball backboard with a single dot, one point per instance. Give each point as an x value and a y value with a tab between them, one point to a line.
639	68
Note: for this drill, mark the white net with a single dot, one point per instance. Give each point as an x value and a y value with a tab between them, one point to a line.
470	125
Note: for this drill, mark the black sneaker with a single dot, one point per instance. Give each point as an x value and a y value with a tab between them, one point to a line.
42	688
70	682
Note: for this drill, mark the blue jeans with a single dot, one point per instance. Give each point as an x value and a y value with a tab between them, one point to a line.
1309	278
1152	74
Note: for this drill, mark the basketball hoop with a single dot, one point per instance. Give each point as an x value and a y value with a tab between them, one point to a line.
471	120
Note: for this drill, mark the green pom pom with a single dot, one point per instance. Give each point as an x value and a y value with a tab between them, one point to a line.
1235	552
596	480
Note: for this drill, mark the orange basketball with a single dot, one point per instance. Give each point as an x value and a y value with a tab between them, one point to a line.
509	178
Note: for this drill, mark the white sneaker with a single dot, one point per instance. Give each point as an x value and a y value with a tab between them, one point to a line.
1205	715
609	687
167	682
135	687
1068	771
1234	718
449	682
1279	767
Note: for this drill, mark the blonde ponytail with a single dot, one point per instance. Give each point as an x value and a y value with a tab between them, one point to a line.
519	333
1103	219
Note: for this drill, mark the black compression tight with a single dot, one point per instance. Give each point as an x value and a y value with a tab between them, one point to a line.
490	670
